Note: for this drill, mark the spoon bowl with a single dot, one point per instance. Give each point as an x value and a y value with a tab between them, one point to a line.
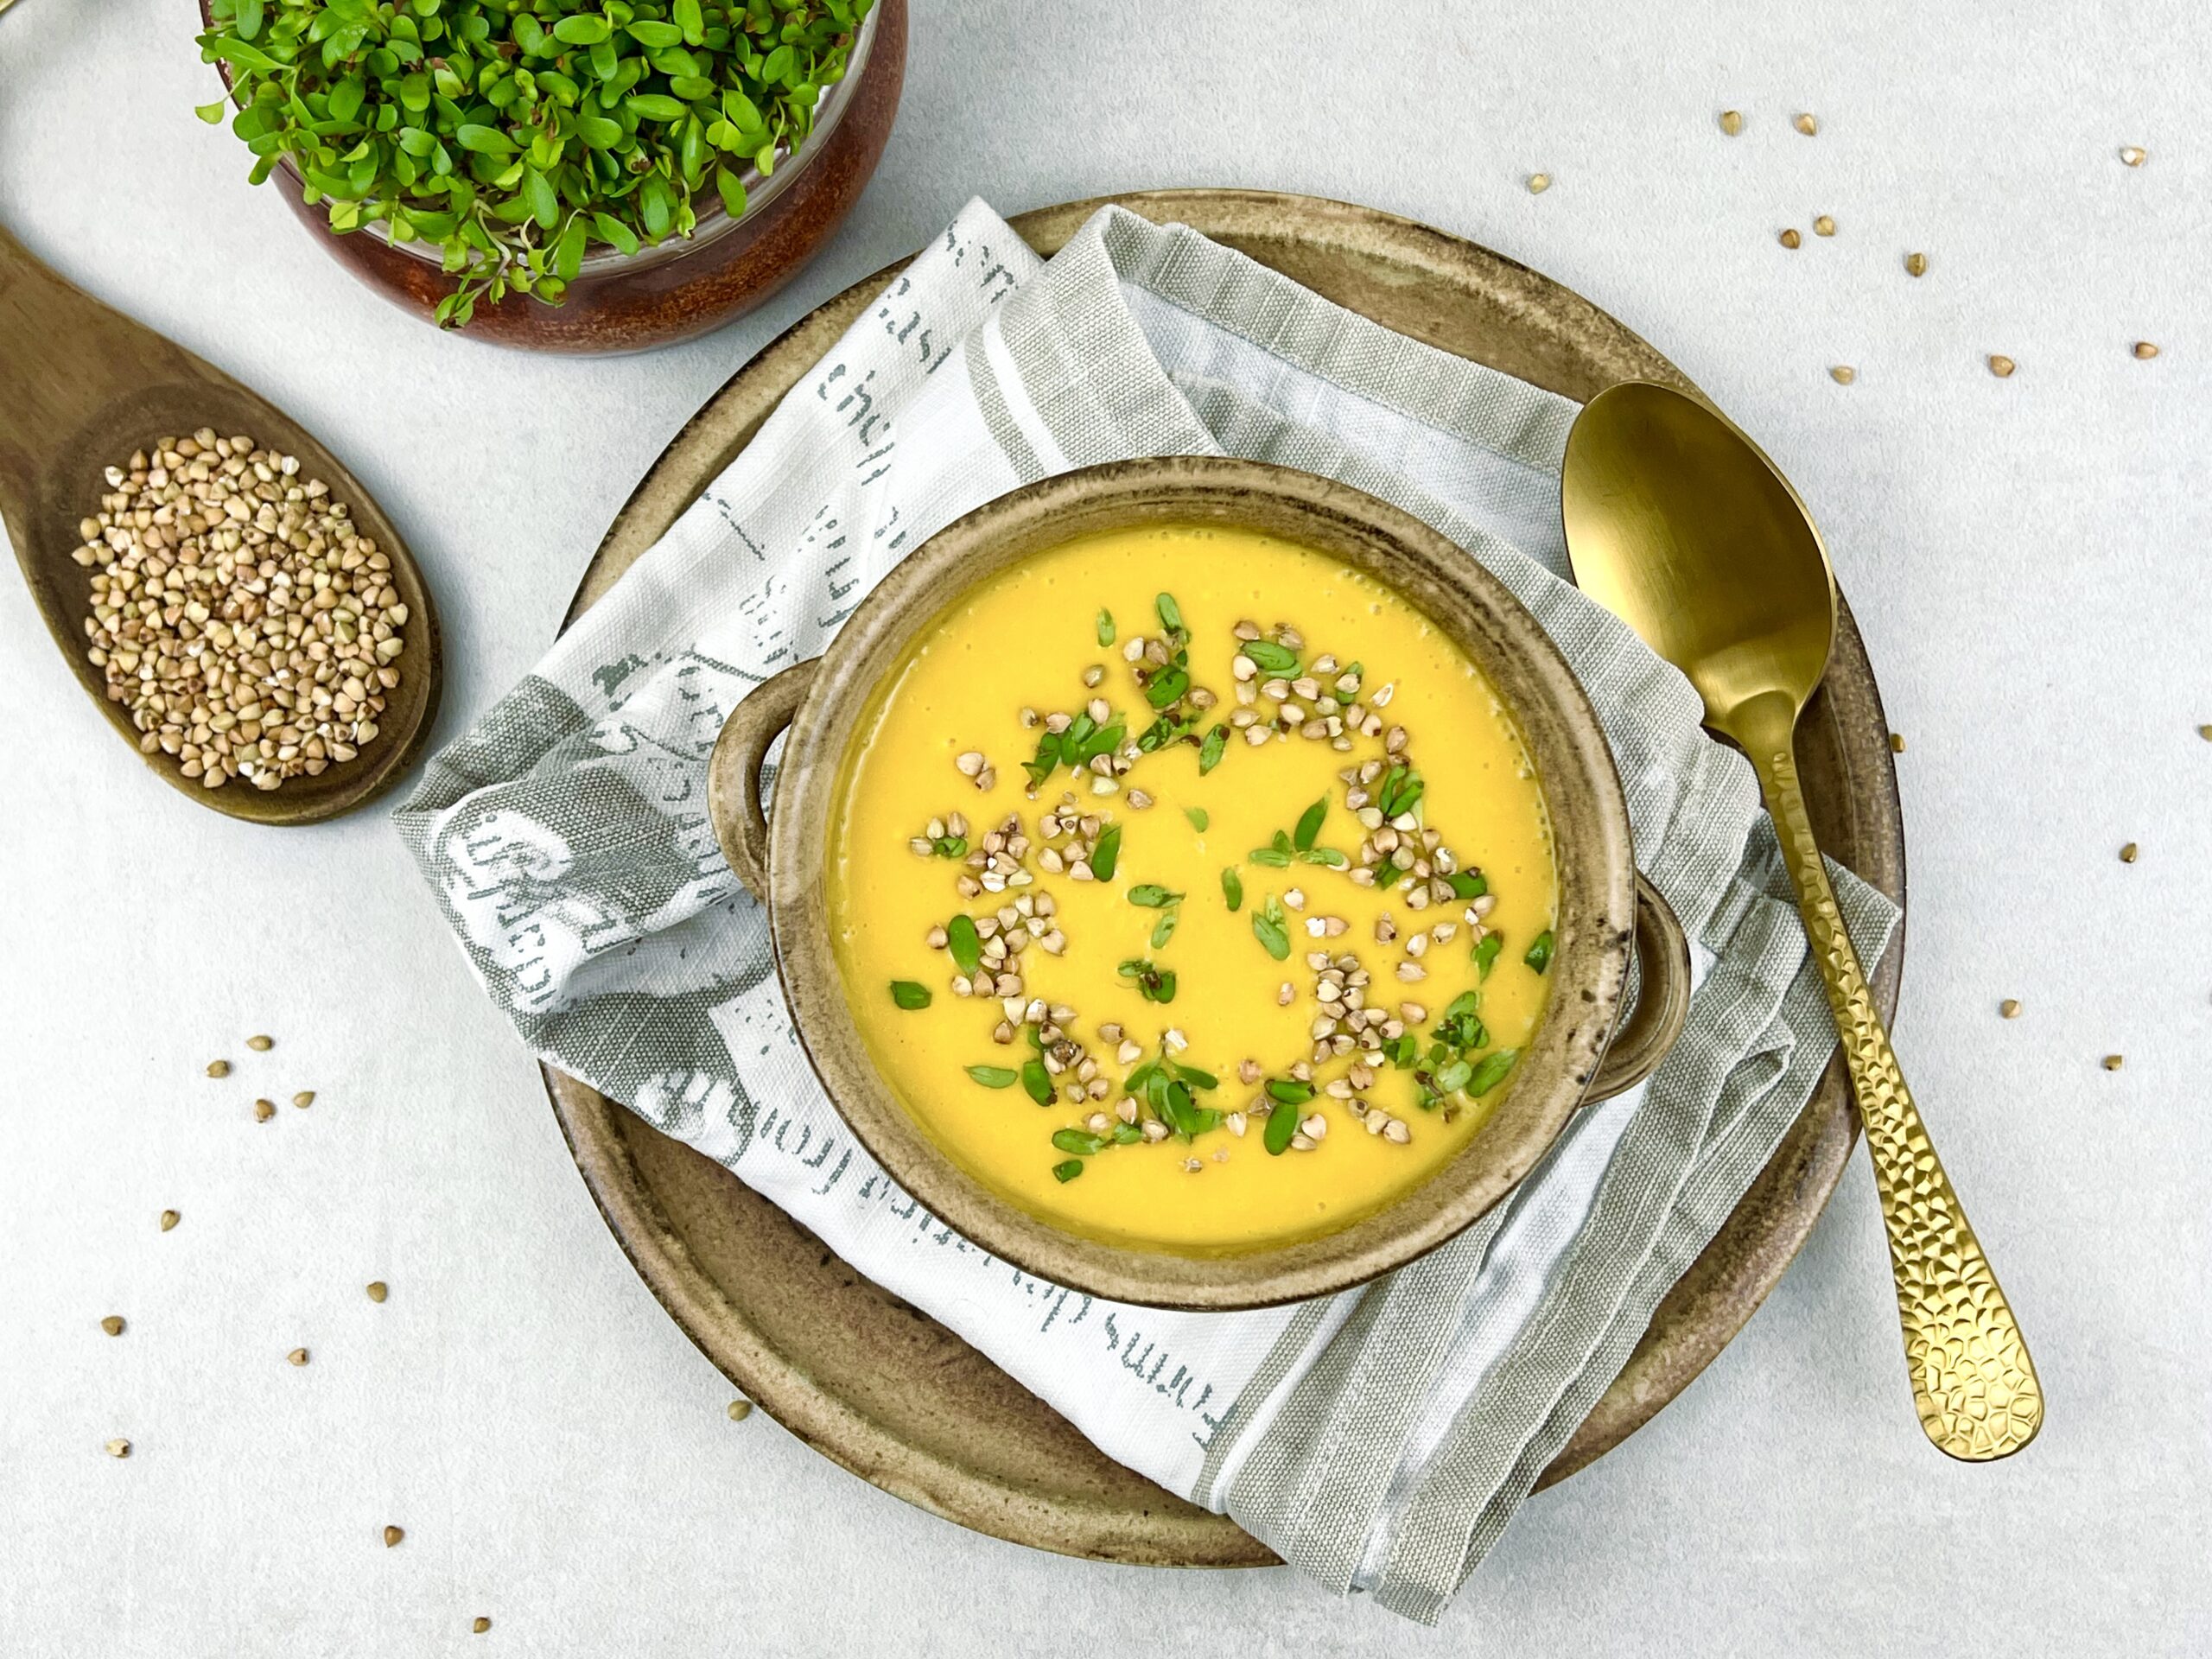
1681	527
81	387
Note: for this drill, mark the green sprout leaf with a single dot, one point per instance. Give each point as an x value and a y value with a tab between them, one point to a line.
1036	1081
1486	956
1210	751
994	1077
1282	1123
910	994
1232	889
1107	852
1539	955
965	944
1268	927
1105	626
1067	1172
1309	825
1491	1071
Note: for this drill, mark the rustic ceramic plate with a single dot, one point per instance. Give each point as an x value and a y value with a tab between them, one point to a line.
883	1389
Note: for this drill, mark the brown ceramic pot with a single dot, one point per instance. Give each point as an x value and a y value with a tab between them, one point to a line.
1604	906
686	287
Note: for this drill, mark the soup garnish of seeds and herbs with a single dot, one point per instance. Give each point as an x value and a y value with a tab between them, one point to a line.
1190	889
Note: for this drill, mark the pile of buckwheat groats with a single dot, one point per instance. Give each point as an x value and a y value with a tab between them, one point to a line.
250	630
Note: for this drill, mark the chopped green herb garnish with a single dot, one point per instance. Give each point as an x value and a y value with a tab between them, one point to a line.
1105	626
1068	1171
965	944
1232	889
1486	949
1196	1078
1036	1081
1328	855
1126	1135
910	994
1540	952
1184	1115
1272	857
1403	1050
1453	1076
1210	751
1154	983
1309	825
1082	1142
1107	852
1162	732
1271	656
1282	1123
1164	929
1199	817
1401	788
1170	613
1468	884
1268	927
1461	1026
1492	1069
951	846
1292	1091
1167	686
1152	895
994	1077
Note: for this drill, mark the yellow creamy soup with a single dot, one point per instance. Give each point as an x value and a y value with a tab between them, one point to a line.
1192	890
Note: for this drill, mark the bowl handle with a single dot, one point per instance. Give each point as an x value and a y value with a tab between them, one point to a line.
734	771
1663	1000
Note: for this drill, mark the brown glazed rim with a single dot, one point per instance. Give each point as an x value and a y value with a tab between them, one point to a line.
1592	846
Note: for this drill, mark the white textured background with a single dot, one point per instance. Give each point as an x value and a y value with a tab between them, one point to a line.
2028	560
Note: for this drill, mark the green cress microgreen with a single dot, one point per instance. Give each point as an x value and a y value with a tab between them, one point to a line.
1232	889
1036	1081
1270	657
965	944
1107	852
1309	825
1540	952
1210	751
1485	953
1199	817
513	135
1268	927
994	1077
1105	626
1491	1071
1154	983
907	994
1067	1172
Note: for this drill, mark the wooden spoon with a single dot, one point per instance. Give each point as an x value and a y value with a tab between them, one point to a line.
82	386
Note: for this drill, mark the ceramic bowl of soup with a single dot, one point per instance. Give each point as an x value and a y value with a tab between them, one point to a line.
1199	883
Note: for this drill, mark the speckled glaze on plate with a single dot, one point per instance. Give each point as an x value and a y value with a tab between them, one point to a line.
876	1384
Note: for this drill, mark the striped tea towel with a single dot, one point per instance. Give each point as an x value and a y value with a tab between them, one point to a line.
1378	1439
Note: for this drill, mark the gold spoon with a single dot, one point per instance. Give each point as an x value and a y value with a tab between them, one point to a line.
1677	523
81	387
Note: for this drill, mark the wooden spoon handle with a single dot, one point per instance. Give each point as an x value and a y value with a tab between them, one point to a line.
1972	1379
64	357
